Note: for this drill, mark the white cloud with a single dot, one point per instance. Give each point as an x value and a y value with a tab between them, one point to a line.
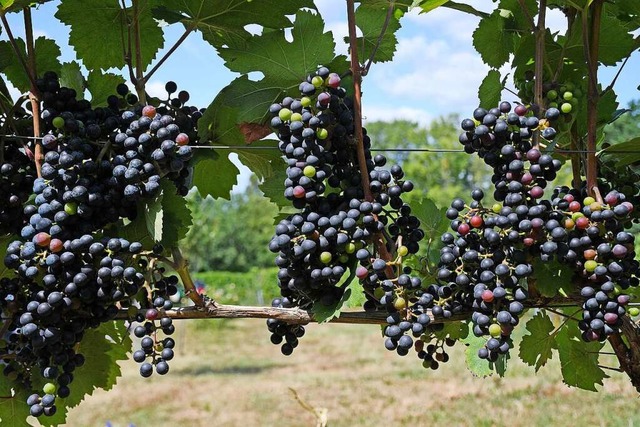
432	72
372	113
156	89
339	29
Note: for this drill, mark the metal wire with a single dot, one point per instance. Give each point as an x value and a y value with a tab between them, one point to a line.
387	149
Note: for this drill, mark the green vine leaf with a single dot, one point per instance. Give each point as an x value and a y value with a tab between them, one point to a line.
278	59
625	153
71	76
552	277
99	41
579	359
370	19
46	53
13	6
101	86
223	22
323	313
167	217
536	348
102	347
214	174
490	90
4	242
13	406
478	367
492	41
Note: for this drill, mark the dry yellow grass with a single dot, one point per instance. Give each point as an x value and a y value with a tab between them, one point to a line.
230	375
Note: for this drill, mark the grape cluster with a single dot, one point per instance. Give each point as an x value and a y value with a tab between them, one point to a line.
334	232
490	254
17	173
72	274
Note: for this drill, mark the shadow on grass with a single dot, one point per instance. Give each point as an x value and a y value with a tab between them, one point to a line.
239	369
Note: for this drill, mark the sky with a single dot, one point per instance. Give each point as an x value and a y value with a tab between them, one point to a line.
435	70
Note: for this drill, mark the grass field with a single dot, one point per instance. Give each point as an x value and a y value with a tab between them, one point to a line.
226	373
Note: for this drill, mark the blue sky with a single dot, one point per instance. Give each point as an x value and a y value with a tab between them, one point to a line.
435	71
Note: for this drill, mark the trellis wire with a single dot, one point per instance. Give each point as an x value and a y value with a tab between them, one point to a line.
385	149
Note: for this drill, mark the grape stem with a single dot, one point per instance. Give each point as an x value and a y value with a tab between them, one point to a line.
139	81
356	72
528	16
383	30
181	265
34	93
166	56
591	41
540	31
570	13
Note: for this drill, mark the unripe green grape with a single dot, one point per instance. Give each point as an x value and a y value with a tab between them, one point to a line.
309	171
58	122
403	251
296	117
566	108
305	101
322	133
552	94
350	248
590	265
49	388
317	81
325	257
567	96
495	330
634	311
284	114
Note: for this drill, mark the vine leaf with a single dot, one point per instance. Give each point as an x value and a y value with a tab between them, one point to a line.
99	41
9	6
262	163
223	22
71	77
478	367
46	53
579	359
102	347
278	59
13	407
176	215
241	102
490	90
370	19
167	217
101	86
213	174
4	242
324	313
492	41
536	347
551	277
429	5
625	153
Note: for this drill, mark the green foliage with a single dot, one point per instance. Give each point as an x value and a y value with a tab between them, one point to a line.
352	296
536	347
214	174
102	347
490	90
223	22
253	287
230	235
579	359
439	175
552	277
46	50
370	19
99	41
71	77
168	218
101	85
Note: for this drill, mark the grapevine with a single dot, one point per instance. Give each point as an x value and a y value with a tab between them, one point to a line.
94	171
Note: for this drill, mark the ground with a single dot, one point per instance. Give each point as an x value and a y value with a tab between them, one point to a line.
227	373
